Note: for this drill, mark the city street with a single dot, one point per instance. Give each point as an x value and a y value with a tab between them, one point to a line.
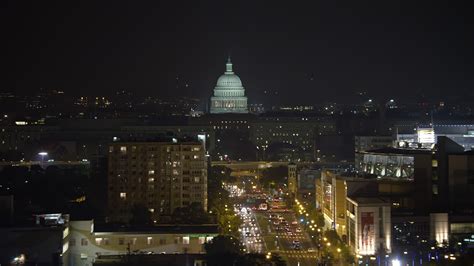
273	230
283	235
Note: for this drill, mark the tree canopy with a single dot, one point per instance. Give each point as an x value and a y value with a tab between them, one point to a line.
274	177
192	214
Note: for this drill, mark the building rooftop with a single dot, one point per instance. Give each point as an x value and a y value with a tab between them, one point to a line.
390	150
164	140
369	200
158	229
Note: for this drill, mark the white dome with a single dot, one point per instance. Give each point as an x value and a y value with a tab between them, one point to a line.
230	81
229	94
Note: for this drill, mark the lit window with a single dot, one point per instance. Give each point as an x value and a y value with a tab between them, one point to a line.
202	240
123	195
196	179
111	149
209	238
149	240
196	156
186	240
65	247
123	149
151	179
98	241
151	172
151	210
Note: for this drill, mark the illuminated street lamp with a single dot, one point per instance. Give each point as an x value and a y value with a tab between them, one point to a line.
396	262
42	154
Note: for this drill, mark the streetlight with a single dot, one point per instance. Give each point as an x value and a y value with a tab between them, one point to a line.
396	262
42	154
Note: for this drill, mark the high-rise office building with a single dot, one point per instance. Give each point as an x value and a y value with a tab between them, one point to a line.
160	176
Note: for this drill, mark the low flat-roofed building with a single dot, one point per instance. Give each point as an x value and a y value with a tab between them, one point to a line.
88	241
152	260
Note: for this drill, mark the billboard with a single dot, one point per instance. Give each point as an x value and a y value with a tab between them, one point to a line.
367	237
426	135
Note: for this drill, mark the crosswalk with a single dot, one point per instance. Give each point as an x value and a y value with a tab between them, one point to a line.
297	254
298	236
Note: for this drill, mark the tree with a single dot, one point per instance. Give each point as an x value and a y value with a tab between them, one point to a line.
223	251
222	174
192	214
277	260
140	215
274	177
347	256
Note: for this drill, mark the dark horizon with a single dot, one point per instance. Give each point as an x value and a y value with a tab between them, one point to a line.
308	53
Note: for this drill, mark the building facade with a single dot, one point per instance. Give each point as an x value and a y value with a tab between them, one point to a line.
229	94
161	176
88	241
292	167
288	138
369	225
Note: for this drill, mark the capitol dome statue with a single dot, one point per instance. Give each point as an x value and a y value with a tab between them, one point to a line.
229	94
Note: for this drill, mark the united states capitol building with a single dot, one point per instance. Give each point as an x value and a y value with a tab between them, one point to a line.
229	94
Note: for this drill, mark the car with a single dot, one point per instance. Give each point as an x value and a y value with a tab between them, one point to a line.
296	247
294	223
311	250
298	230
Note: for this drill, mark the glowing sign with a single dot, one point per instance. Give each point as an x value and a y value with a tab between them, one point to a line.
367	239
426	135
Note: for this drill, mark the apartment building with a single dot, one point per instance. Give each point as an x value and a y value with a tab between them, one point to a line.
161	176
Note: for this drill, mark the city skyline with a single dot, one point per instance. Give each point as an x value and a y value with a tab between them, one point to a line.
327	51
237	133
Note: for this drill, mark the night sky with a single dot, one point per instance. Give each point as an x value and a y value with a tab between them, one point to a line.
311	52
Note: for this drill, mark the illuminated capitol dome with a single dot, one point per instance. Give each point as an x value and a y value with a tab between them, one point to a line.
229	94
